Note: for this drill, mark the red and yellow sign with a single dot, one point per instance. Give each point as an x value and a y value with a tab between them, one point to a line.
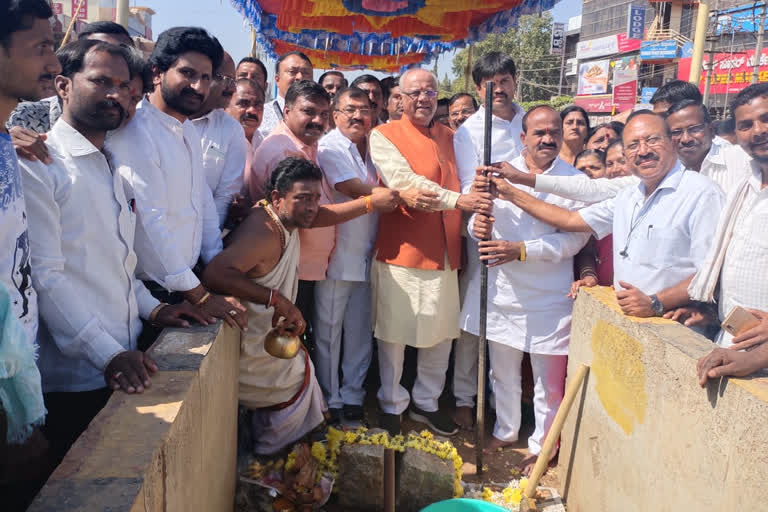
731	72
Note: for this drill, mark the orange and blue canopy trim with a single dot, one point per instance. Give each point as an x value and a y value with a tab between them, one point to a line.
384	35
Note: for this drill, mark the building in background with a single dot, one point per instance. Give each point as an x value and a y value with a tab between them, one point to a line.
139	21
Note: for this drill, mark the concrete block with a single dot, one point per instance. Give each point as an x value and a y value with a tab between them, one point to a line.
644	435
423	479
360	484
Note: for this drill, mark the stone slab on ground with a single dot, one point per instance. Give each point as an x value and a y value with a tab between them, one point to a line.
423	479
360	484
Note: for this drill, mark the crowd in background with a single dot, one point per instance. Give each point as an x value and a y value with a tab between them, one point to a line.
140	192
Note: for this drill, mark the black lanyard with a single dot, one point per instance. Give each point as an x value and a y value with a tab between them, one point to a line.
276	106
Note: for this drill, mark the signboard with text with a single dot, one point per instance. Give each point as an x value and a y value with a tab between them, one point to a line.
635	22
625	81
82	14
731	72
647	93
609	45
659	50
557	47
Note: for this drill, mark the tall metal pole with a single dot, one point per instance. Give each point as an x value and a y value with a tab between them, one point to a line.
759	47
562	73
711	52
699	39
123	12
480	419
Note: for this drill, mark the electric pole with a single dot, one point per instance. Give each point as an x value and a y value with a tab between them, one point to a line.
123	12
699	39
759	47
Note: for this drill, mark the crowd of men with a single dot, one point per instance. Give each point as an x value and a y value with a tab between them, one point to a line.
142	193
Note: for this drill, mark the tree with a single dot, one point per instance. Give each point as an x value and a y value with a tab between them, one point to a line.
528	44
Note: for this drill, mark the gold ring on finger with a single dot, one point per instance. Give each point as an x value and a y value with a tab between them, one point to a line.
232	312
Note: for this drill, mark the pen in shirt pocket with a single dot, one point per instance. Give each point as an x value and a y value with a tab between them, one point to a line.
648	236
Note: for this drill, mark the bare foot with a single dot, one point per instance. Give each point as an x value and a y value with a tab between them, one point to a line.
464	418
493	445
527	464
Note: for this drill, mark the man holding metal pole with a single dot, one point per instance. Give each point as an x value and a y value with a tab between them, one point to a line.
530	270
468	143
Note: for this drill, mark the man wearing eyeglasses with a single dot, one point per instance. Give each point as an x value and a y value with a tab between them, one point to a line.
291	67
662	228
307	109
343	300
418	253
223	139
700	150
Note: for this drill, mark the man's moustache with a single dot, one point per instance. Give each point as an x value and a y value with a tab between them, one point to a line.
248	117
190	92
544	145
313	126
46	76
649	158
112	104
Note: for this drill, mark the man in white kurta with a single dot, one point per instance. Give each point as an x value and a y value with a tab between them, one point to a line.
343	299
506	127
416	296
736	270
530	275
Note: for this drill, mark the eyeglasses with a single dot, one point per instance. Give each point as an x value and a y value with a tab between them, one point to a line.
696	129
228	80
465	112
652	141
415	95
350	111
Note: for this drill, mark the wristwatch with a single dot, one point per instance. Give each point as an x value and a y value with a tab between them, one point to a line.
656	306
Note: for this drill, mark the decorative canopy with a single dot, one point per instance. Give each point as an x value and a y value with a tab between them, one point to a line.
384	35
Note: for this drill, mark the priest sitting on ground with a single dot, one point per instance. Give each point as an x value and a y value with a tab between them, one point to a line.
260	266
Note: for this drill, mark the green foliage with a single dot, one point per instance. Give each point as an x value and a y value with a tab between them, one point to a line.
556	102
528	44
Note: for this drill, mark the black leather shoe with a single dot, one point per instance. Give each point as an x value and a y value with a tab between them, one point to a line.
390	423
438	421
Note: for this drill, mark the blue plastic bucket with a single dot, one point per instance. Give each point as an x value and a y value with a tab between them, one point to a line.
463	505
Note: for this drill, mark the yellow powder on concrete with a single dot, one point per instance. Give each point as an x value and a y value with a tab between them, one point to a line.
607	296
619	372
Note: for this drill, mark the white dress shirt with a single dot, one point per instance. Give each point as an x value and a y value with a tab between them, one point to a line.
744	274
162	163
82	232
340	160
528	307
672	233
224	154
273	114
468	143
725	164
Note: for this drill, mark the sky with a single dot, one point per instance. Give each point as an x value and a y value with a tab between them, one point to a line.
221	19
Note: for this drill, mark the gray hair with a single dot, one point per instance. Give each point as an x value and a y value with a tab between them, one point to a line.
404	76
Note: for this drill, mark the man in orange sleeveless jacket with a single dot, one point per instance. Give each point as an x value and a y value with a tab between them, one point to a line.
418	252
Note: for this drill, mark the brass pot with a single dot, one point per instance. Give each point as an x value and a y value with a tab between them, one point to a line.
281	342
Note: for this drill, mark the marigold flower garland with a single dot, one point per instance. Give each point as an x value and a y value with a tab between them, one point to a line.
327	454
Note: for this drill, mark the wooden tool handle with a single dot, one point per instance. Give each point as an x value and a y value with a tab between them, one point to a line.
554	432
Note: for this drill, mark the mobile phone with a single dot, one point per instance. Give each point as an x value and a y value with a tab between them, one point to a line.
739	320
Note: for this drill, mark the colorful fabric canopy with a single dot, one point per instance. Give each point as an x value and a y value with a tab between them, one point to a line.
384	35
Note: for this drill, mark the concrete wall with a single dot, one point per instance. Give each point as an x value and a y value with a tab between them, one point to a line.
643	435
172	448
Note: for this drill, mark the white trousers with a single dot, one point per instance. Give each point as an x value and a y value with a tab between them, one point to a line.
465	369
430	376
549	385
342	307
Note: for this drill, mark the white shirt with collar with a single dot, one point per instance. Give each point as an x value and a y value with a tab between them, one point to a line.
744	274
82	233
273	114
468	143
725	164
667	236
162	163
528	307
340	160
224	155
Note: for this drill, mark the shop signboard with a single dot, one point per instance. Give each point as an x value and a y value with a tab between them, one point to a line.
593	77
557	47
659	50
609	45
635	22
625	81
731	72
